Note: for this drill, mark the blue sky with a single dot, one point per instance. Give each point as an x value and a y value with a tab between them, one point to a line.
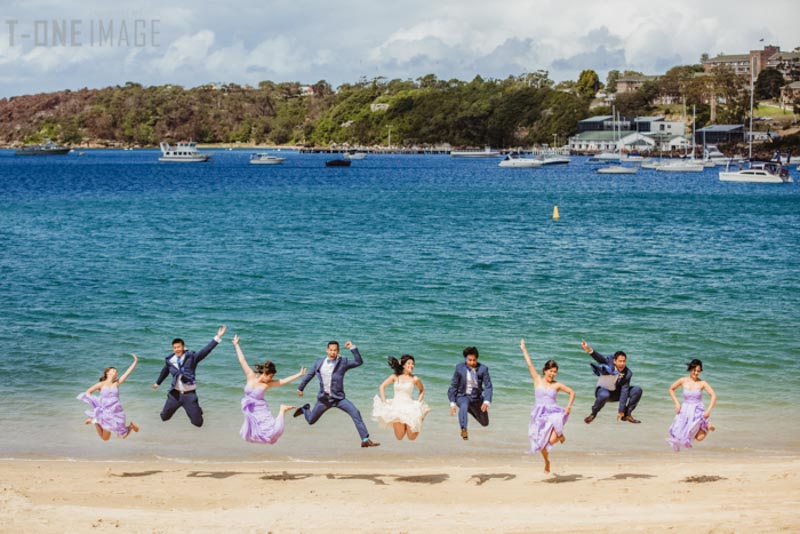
47	45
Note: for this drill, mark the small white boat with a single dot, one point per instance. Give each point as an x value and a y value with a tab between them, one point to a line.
355	155
183	151
681	165
515	161
758	173
554	160
265	159
604	157
485	153
617	169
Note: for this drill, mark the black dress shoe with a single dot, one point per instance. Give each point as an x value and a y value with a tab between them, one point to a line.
589	418
298	412
369	443
630	419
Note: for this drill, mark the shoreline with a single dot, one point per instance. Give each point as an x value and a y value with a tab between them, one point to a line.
583	495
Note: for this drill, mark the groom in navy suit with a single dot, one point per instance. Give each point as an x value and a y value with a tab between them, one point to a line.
182	365
470	391
616	387
331	371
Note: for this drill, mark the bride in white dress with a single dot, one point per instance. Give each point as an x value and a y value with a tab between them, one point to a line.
402	413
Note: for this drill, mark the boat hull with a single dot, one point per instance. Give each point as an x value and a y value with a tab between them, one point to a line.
753	178
183	159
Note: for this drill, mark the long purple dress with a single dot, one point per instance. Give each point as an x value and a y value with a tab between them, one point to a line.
106	410
259	425
546	416
689	421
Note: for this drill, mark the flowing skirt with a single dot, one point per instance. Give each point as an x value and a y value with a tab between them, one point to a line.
400	410
259	425
544	419
106	411
687	423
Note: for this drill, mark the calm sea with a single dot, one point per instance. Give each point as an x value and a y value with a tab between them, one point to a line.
111	252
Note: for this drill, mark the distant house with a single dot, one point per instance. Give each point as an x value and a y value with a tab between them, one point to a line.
306	90
378	107
676	144
632	83
790	93
603	123
720	133
637	142
783	62
657	125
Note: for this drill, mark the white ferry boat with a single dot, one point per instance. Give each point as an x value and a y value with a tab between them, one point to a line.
265	159
184	151
485	153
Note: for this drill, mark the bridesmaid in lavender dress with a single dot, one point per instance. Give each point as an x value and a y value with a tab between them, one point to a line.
106	412
547	418
259	425
691	419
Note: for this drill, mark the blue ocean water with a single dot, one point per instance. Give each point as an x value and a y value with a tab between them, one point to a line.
111	252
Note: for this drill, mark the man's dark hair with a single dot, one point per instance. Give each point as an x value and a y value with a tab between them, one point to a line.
471	350
620	353
333	343
178	340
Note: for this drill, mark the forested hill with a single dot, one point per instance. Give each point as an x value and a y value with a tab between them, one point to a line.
517	111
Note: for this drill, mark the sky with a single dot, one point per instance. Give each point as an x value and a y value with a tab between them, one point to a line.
48	45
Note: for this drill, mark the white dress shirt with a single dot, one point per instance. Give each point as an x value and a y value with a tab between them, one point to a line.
326	372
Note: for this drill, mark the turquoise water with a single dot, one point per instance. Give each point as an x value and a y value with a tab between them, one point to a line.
112	252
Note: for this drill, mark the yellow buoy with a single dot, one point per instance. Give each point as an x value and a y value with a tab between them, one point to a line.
556	216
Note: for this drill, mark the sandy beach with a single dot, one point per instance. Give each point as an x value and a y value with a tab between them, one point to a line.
733	493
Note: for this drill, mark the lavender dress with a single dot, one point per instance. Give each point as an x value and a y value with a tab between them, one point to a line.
689	421
106	410
259	425
546	416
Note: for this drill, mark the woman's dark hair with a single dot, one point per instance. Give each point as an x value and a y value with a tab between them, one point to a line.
266	368
549	364
105	374
397	366
694	363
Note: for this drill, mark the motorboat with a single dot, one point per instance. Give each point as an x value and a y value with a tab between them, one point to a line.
355	155
712	154
552	159
617	169
515	161
758	173
604	157
183	151
338	162
485	153
681	165
49	148
265	159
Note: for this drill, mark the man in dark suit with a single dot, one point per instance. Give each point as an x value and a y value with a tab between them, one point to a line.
182	365
614	384
470	391
331	371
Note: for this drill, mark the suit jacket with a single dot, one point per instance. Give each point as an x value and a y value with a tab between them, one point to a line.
458	385
341	366
190	361
607	367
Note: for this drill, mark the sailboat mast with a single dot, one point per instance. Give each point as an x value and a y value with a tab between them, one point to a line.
750	140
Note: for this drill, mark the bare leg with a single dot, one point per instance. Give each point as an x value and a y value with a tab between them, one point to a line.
553	437
546	460
131	427
285	408
87	422
399	430
99	431
701	435
562	438
411	435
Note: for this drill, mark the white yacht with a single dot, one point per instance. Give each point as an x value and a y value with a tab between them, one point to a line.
265	159
617	169
355	155
553	159
515	161
183	151
681	165
758	173
604	157
485	153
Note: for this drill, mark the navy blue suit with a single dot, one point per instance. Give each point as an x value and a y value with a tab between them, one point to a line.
457	393
336	399
627	395
188	400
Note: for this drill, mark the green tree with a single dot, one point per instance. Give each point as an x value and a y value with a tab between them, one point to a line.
588	83
611	81
769	83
